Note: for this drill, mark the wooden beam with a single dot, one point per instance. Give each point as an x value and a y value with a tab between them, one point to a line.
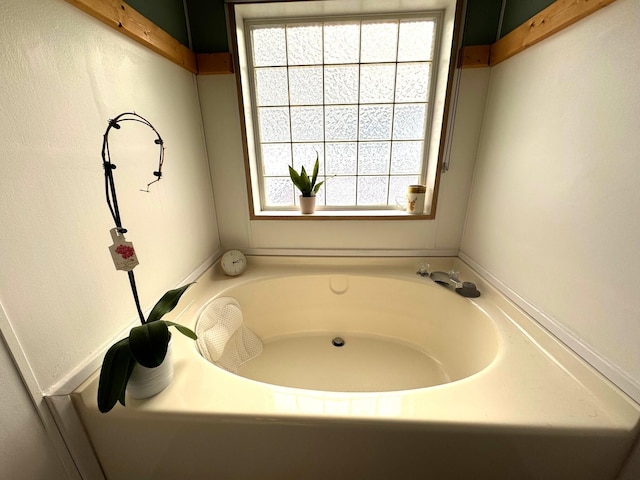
475	56
552	19
134	25
214	63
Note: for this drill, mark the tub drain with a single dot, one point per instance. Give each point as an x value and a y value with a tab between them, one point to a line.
338	342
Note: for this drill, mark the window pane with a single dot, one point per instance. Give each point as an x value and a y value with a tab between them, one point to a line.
269	48
379	41
372	190
412	82
306	85
271	87
341	123
304	44
408	121
375	122
341	84
406	157
340	191
373	158
278	191
274	124
275	158
377	83
305	154
342	42
342	158
307	124
416	40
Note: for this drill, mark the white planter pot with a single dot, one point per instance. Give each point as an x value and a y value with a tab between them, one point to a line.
307	204
146	382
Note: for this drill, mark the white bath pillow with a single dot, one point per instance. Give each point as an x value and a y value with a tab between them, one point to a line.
223	339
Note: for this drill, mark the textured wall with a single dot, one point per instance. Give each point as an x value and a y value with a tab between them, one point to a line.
554	206
63	75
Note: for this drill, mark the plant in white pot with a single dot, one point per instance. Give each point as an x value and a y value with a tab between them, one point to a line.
142	361
146	346
307	186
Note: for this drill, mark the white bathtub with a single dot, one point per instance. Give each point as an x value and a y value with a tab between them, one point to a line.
504	400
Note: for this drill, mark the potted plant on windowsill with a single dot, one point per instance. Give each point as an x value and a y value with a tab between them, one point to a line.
141	357
307	186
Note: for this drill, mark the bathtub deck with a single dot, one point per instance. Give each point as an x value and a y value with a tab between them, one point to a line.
537	412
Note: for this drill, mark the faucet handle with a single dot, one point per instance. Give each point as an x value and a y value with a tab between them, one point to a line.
423	269
454	275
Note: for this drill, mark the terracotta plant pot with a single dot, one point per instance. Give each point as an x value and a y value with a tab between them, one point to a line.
307	204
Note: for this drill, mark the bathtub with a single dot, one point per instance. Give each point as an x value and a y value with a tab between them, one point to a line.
428	384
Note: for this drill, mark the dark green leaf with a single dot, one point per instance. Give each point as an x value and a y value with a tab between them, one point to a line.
114	375
132	365
149	343
187	332
167	303
315	190
316	167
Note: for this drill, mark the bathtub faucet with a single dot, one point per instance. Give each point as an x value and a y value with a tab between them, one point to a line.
466	289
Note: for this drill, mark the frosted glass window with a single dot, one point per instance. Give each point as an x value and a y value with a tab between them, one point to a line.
304	154
373	190
379	41
307	124
275	158
375	122
340	191
341	123
341	42
408	121
271	87
274	124
342	158
353	92
406	157
373	158
305	84
412	82
341	84
415	40
278	191
269	47
377	83
304	44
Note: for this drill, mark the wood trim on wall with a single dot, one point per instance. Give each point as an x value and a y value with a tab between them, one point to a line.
134	25
214	63
552	19
475	56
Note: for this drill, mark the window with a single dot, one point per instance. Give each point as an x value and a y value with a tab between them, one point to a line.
356	92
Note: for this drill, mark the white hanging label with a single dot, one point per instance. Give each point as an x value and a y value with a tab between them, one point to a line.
122	252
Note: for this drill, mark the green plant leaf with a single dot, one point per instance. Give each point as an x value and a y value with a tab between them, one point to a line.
315	190
187	332
167	303
114	375
132	365
316	167
148	343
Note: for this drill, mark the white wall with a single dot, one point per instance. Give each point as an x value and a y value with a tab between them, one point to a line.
554	210
218	97
63	76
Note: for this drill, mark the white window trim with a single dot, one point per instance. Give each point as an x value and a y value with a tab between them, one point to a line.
323	8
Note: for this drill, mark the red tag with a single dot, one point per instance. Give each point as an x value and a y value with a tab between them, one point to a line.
122	252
